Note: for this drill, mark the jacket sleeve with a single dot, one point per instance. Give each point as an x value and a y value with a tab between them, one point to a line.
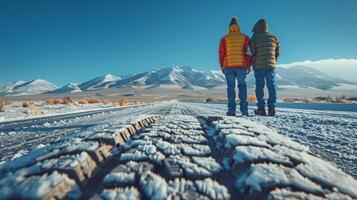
277	49
247	52
252	46
222	51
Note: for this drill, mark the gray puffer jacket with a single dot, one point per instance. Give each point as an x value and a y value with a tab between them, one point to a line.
264	46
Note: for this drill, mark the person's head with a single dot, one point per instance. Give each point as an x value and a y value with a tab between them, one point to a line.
260	26
233	25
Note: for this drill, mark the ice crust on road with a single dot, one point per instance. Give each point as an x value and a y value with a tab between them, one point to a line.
331	134
262	162
178	156
269	176
128	193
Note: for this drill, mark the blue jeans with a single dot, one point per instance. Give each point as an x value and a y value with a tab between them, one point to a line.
263	76
231	75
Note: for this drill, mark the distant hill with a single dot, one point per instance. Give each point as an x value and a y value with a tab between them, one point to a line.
69	88
36	86
100	82
183	77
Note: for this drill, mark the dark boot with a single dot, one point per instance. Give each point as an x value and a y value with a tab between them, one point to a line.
245	112
260	111
231	113
271	111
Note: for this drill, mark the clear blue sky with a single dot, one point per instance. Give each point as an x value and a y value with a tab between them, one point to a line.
71	41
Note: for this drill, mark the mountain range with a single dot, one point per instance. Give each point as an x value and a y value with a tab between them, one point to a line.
181	76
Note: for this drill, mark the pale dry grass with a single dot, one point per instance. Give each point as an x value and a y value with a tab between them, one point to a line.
117	102
105	102
65	101
4	103
93	100
32	108
2	107
83	101
26	104
216	100
52	101
121	102
35	110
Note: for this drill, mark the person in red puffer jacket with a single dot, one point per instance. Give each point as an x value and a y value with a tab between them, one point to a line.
235	61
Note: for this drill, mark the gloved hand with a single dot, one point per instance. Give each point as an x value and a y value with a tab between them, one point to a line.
247	71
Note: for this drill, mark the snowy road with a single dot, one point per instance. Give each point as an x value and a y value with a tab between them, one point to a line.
331	134
178	150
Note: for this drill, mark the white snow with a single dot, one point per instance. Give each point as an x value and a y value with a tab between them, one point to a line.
119	178
208	163
195	149
142	156
287	194
212	189
192	169
244	154
127	193
270	175
19	154
251	141
328	174
36	187
154	186
15	111
233	140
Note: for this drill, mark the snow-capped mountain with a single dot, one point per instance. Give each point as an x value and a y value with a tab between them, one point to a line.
69	88
181	76
304	77
36	86
9	87
184	77
100	82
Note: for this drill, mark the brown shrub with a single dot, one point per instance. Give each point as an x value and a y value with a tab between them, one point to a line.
2	106
328	99
93	100
67	100
216	100
105	102
32	108
35	110
52	101
123	102
291	99
4	103
352	98
120	102
83	101
26	104
210	100
49	101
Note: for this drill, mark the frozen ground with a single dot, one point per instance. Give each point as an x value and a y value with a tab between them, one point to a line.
178	150
16	111
331	134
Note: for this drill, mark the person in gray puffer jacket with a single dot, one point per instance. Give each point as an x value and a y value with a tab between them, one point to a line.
265	49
